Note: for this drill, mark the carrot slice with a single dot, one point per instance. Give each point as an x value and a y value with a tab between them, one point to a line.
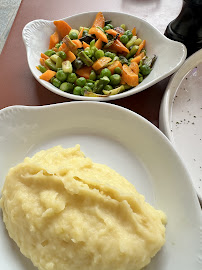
113	32
84	72
119	47
129	76
114	65
101	62
134	66
70	56
141	46
81	33
85	45
54	39
42	62
77	42
99	20
47	75
98	33
62	27
98	43
134	31
43	55
64	48
138	58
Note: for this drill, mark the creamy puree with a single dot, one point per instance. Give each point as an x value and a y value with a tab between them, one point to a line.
67	213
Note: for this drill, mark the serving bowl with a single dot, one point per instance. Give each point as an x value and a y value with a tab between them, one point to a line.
181	116
170	54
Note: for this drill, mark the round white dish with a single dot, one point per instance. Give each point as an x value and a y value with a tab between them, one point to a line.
124	141
181	116
171	54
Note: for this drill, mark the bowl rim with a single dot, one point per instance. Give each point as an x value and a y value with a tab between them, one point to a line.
124	94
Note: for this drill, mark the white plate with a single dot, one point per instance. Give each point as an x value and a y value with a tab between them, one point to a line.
171	54
181	116
124	141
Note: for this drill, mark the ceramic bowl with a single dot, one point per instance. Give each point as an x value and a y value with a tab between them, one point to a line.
171	54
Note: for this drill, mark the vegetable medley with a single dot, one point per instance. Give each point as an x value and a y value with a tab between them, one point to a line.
101	60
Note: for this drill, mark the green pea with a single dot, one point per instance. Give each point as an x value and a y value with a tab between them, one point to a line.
42	68
73	35
124	39
123	26
61	75
62	55
145	70
87	88
105	72
115	79
81	81
110	25
77	90
49	52
92	75
108	87
106	28
56	82
66	87
117	70
71	77
128	33
99	54
89	84
140	79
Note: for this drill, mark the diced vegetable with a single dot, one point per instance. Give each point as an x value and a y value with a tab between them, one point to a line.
101	62
99	20
47	75
129	76
84	72
67	66
99	34
54	39
62	27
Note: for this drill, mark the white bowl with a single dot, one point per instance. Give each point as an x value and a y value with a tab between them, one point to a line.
181	116
171	54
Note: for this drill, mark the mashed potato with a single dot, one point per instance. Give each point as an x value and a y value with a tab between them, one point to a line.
67	213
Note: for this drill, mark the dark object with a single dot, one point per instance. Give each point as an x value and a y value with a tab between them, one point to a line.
187	27
87	38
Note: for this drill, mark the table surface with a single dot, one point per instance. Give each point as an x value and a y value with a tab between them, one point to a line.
19	87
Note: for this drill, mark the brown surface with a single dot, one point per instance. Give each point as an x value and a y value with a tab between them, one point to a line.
18	86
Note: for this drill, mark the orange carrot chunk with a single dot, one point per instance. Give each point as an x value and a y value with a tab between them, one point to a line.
62	27
85	45
98	43
77	42
138	58
113	32
134	31
99	20
101	62
119	47
114	65
54	39
98	33
84	72
70	56
47	75
81	33
42	62
43	55
129	76
134	66
141	46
